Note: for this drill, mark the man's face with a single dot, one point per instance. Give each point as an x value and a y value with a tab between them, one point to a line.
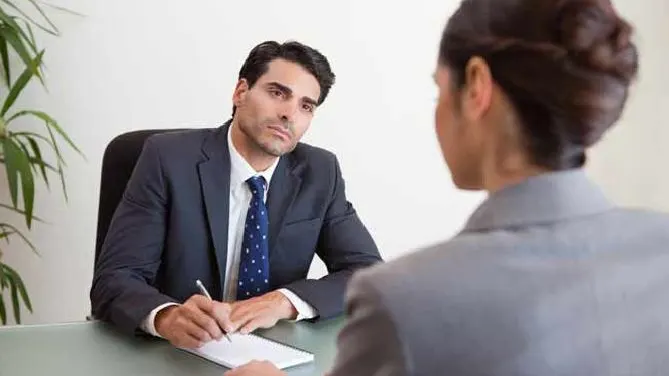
277	110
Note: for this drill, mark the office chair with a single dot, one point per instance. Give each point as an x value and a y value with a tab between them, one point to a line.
118	162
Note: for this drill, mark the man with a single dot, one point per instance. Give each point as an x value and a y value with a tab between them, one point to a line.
243	208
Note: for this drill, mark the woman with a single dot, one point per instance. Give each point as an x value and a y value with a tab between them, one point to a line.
548	277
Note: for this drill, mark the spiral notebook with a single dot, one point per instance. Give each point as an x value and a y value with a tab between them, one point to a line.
245	348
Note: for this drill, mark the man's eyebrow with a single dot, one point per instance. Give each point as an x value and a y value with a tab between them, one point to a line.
286	90
311	101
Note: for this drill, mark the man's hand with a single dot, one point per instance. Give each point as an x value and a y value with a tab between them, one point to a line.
256	368
261	312
192	324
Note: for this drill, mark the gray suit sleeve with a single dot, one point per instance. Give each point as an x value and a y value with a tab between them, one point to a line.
369	343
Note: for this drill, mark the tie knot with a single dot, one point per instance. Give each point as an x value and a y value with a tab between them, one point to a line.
257	185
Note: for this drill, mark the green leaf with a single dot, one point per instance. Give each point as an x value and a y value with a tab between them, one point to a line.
30	32
25	150
62	181
4	54
19	211
35	160
20	165
6	235
24	294
21	83
51	123
3	283
46	18
11	161
61	162
27	17
33	135
51	140
40	162
15	299
23	237
11	22
11	31
61	9
34	42
38	155
3	310
20	286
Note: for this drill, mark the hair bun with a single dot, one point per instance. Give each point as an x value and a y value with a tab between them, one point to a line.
596	38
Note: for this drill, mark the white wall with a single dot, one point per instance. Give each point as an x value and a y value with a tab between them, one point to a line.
631	163
132	64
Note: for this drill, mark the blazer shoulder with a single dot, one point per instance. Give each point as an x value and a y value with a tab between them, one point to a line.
180	147
646	216
646	225
313	155
454	259
185	138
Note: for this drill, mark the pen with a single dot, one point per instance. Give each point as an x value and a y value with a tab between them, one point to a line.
204	292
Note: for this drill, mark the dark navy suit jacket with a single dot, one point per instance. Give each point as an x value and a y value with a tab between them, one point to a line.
171	228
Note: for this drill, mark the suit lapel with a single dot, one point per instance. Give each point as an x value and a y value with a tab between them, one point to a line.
283	188
215	182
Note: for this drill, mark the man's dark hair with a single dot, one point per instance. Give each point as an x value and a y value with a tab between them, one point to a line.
317	64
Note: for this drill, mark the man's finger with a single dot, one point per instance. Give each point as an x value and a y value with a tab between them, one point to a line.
188	341
263	319
203	303
244	319
240	310
191	328
221	314
250	326
204	321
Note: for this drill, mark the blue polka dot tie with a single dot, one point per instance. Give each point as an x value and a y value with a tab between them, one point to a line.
254	261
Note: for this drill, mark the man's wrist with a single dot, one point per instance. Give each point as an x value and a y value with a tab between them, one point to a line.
304	310
286	307
162	317
149	323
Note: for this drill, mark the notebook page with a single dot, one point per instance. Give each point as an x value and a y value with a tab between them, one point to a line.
245	348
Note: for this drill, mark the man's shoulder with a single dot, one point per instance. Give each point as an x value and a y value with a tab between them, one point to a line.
314	162
181	139
180	147
310	154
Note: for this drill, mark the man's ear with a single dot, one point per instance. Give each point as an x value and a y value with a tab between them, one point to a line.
478	88
241	90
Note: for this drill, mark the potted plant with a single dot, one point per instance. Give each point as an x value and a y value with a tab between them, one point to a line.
24	153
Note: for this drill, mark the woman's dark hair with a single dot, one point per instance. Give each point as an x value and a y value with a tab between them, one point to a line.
565	64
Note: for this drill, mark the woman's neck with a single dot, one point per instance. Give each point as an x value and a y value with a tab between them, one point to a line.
497	180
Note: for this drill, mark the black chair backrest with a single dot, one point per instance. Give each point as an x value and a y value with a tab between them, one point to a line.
118	162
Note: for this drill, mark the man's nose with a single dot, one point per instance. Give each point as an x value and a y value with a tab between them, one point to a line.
287	110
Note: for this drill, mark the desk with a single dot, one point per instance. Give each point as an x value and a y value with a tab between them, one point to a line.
94	348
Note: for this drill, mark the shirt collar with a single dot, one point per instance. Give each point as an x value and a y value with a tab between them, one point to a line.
241	170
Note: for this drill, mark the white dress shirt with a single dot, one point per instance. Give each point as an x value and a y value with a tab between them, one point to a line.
240	197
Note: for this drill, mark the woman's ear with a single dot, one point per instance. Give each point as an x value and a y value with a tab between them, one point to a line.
477	89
